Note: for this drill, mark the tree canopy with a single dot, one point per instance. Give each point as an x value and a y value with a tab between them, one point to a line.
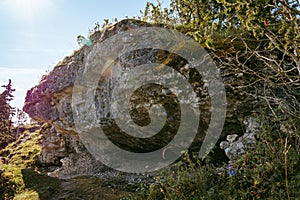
258	39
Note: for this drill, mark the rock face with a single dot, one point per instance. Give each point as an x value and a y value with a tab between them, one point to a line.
53	148
51	102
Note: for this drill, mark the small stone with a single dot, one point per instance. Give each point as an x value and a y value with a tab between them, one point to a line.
231	138
224	144
249	138
251	124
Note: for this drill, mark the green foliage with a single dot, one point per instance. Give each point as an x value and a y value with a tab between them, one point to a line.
6	114
23	151
274	20
7	188
186	180
272	168
18	155
268	171
256	45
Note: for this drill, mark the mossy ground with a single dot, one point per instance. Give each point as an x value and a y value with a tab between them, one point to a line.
21	179
18	159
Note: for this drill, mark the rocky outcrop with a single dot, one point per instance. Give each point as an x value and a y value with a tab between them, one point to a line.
51	102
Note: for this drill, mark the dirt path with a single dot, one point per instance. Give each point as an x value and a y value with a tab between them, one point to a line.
87	188
80	188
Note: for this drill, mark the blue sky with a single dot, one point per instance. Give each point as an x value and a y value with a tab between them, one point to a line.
37	34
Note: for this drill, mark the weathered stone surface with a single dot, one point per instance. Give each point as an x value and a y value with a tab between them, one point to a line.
50	101
77	164
53	148
56	146
235	147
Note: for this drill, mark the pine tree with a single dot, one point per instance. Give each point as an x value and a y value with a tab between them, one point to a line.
6	114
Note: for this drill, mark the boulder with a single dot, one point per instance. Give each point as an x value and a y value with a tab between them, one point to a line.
51	102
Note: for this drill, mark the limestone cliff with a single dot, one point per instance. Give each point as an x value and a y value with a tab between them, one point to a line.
51	102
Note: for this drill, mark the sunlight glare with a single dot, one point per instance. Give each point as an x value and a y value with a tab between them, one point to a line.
27	9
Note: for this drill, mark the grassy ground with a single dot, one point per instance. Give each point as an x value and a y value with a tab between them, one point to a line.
21	180
18	159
